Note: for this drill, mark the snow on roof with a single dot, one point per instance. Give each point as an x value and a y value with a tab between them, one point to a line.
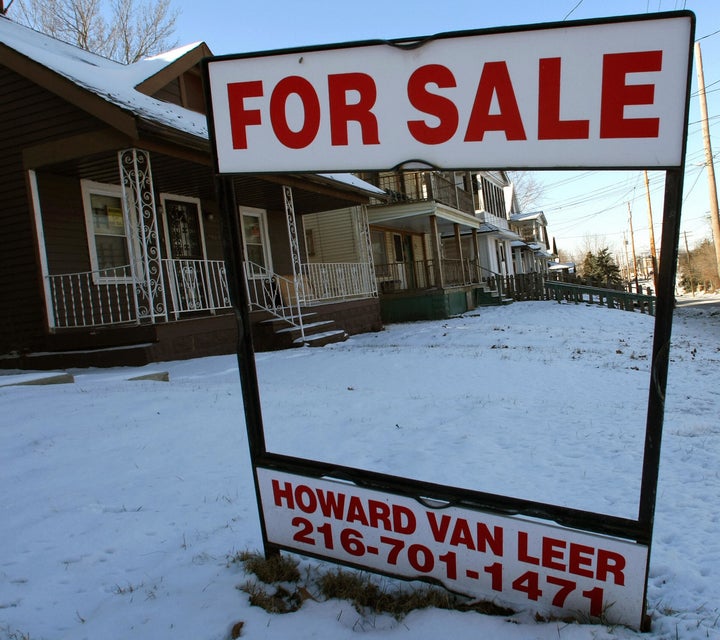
148	67
486	227
113	81
116	82
353	181
561	266
520	217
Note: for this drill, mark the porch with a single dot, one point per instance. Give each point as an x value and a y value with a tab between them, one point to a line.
322	303
409	290
111	297
131	257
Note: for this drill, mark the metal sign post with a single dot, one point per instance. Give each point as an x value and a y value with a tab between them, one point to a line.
622	104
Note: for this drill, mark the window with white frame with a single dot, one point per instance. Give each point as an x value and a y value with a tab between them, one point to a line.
107	235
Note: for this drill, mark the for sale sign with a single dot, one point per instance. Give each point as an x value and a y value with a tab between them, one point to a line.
508	560
608	94
585	95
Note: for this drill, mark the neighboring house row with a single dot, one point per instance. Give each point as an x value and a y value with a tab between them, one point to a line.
113	241
446	241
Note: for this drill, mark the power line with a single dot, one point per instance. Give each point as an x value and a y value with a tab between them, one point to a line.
714	33
569	13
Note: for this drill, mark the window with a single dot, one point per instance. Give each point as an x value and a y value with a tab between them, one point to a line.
256	240
107	235
398	246
184	235
379	252
493	198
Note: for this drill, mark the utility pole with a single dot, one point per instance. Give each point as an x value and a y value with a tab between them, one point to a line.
627	259
653	254
687	251
714	215
632	244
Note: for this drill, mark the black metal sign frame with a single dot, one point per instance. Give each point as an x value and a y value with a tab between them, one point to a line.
639	530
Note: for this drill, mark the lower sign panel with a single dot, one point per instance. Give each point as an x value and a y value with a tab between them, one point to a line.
511	561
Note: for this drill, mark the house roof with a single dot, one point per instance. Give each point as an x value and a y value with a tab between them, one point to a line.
112	81
126	86
506	234
562	266
524	217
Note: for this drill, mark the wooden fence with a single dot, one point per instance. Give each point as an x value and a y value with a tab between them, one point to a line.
537	286
612	298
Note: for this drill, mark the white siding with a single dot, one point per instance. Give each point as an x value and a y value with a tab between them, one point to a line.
335	236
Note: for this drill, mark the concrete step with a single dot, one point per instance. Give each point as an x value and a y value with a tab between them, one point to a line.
133	355
321	339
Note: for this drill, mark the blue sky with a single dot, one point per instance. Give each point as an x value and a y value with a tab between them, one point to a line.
584	207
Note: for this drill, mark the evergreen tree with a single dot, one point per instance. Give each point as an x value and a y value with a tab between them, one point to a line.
600	269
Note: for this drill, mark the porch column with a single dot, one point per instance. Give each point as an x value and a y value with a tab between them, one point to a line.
458	243
437	254
363	227
298	284
292	231
476	249
141	221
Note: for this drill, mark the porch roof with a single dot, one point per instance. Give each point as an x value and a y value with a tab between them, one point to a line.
506	234
533	246
415	216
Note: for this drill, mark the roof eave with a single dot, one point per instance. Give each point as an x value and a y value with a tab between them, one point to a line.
68	90
172	70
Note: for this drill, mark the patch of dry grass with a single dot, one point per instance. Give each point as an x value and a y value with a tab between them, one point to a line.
362	590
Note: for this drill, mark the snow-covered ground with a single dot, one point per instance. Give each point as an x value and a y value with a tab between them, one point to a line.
122	500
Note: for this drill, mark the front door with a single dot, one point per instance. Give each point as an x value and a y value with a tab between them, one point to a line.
186	246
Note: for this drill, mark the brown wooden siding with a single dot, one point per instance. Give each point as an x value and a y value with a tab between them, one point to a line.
213	230
64	224
170	92
29	115
279	242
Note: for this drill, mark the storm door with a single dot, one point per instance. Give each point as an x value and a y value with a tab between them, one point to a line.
186	265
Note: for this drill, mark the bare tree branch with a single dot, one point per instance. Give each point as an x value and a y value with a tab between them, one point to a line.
124	30
528	190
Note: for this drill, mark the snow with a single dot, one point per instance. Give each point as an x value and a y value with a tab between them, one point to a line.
123	499
110	80
116	82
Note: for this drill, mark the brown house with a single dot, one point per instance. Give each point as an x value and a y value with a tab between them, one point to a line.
112	240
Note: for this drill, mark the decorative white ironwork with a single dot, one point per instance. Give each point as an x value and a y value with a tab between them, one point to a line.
141	219
268	291
294	251
93	298
363	225
197	285
107	297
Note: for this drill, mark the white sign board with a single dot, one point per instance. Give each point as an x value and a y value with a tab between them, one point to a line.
583	95
508	560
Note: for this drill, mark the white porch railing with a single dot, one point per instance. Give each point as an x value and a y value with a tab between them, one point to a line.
335	281
108	297
93	298
196	285
283	296
268	291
